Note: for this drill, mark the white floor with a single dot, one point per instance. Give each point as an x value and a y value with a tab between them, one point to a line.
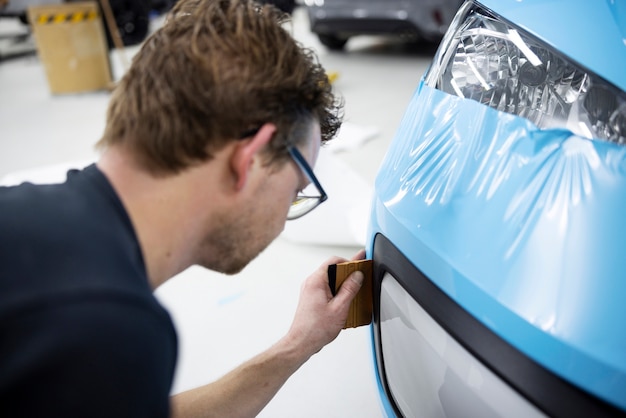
222	321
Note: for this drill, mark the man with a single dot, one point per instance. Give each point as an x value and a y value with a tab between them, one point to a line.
209	140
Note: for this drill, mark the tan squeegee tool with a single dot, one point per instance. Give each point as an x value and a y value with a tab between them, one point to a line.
362	306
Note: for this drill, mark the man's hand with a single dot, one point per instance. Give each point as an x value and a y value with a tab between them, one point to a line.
320	316
246	390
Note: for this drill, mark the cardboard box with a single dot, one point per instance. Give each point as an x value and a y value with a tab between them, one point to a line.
71	46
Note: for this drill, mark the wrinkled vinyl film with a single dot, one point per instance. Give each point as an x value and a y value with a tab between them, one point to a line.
523	227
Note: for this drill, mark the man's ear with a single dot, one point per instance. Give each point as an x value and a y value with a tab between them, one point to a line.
247	150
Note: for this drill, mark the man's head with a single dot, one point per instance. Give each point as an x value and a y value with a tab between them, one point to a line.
206	122
215	71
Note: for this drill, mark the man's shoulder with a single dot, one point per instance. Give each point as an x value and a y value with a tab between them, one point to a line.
81	188
40	209
63	237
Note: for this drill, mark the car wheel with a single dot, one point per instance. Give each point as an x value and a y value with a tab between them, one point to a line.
331	41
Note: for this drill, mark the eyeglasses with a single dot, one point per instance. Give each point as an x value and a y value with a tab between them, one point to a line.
312	195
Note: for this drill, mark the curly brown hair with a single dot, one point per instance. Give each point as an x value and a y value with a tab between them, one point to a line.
215	70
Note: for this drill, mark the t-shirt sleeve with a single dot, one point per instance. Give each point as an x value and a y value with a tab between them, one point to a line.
97	357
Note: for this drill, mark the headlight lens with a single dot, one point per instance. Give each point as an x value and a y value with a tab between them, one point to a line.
488	60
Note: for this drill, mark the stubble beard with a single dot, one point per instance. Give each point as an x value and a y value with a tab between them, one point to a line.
234	243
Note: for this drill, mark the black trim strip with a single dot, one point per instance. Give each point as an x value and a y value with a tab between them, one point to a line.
548	392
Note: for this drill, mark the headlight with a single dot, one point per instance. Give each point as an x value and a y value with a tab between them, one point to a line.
486	59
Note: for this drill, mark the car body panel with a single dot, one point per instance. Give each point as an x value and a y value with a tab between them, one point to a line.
514	223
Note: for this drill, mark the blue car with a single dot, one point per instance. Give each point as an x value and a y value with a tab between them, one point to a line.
499	220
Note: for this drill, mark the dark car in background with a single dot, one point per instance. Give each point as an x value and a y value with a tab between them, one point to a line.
498	220
336	21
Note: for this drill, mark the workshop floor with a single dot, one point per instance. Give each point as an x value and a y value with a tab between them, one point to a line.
221	320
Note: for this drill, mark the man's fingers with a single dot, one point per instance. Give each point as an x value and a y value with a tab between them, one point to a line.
350	287
358	256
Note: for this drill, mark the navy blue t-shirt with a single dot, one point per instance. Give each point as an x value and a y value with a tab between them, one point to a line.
81	333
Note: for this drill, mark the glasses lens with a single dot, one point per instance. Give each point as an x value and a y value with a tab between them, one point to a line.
301	206
306	201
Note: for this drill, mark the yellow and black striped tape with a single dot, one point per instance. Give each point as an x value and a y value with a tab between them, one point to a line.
74	17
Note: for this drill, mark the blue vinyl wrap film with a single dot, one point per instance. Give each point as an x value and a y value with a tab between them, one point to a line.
522	227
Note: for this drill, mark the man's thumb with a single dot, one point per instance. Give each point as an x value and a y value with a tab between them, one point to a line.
358	277
353	283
